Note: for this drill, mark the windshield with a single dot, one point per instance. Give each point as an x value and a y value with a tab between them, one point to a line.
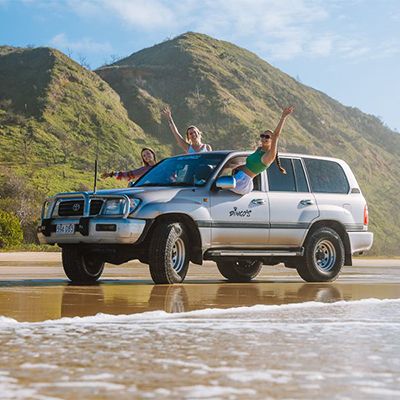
186	170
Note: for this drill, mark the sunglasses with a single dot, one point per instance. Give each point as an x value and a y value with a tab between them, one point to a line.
265	136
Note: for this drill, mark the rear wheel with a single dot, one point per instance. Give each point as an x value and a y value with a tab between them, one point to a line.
324	256
169	253
239	270
81	266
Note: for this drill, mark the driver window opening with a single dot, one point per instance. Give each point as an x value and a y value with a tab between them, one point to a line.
233	165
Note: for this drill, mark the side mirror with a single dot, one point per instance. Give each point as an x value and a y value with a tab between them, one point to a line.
225	182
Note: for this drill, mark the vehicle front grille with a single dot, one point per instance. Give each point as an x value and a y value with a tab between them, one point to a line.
72	208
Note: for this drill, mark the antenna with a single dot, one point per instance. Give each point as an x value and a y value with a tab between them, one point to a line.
95	175
97	157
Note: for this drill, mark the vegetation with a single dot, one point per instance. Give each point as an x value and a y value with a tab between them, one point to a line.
55	116
10	230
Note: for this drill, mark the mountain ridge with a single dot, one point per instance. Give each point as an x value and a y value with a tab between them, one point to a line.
230	93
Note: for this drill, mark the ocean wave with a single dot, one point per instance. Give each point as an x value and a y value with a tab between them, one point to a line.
154	316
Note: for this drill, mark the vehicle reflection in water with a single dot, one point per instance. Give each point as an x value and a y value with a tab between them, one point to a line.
128	299
41	301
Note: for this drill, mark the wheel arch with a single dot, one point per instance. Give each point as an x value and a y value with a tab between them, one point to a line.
195	250
339	229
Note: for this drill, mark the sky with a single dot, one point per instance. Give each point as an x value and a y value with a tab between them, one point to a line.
348	49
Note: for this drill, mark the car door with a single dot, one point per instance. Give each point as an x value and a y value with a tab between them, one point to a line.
292	206
239	220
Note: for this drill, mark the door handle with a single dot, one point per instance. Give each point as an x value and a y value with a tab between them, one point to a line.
258	201
306	202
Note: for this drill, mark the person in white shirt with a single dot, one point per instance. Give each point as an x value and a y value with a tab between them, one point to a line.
193	143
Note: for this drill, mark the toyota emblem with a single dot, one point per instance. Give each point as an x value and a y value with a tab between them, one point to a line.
76	207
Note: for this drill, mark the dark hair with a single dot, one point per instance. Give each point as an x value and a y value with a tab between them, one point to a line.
277	159
151	151
278	163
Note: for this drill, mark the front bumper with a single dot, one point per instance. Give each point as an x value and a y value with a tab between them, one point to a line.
360	241
92	230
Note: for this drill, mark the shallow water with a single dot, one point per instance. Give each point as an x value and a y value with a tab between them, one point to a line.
308	350
125	338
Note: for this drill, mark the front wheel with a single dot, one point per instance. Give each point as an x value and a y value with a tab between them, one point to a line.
240	270
169	253
81	266
324	256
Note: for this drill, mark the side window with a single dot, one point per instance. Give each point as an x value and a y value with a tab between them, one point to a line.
232	164
279	182
326	176
301	180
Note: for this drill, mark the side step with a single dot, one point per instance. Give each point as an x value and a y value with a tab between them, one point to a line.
255	253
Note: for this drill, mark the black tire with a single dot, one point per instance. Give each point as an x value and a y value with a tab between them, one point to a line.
324	256
81	267
169	253
240	270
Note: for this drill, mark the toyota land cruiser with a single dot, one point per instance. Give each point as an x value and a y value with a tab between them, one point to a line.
313	219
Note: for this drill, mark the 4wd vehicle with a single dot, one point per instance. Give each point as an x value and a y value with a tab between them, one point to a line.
312	219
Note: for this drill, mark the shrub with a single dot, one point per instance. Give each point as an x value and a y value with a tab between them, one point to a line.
10	230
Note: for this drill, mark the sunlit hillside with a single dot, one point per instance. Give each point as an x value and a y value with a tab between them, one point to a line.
56	115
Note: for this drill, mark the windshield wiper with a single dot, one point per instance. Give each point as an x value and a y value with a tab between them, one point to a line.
167	184
151	184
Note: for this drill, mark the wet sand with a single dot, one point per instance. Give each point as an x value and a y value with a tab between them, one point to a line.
276	337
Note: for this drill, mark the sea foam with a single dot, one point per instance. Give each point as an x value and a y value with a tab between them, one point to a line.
154	316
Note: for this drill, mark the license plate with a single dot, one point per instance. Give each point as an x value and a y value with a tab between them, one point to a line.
65	228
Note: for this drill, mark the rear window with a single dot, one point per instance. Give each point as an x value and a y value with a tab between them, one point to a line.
326	176
278	182
300	176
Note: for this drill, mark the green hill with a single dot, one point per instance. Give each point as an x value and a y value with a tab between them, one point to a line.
53	113
230	93
54	117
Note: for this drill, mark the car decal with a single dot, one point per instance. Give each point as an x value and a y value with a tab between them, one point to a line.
252	225
239	213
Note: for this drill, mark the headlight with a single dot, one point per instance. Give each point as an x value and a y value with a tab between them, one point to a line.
47	208
114	207
117	206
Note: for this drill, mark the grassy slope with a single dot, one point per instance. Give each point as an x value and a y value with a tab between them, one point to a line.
231	93
57	113
51	113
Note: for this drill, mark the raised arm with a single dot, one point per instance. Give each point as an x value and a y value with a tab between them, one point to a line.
178	137
128	175
269	157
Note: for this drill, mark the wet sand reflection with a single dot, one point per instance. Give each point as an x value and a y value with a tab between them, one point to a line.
344	349
37	301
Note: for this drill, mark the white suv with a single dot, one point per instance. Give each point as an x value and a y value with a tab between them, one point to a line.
312	219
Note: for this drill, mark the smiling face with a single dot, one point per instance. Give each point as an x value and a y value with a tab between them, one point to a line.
265	138
193	135
148	157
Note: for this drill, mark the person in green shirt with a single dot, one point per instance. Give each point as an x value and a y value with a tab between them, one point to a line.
262	158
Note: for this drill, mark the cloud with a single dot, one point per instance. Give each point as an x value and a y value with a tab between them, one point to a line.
138	14
151	14
275	29
85	45
282	29
322	46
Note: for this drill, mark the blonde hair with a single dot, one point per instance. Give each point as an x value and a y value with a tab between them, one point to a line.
199	132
